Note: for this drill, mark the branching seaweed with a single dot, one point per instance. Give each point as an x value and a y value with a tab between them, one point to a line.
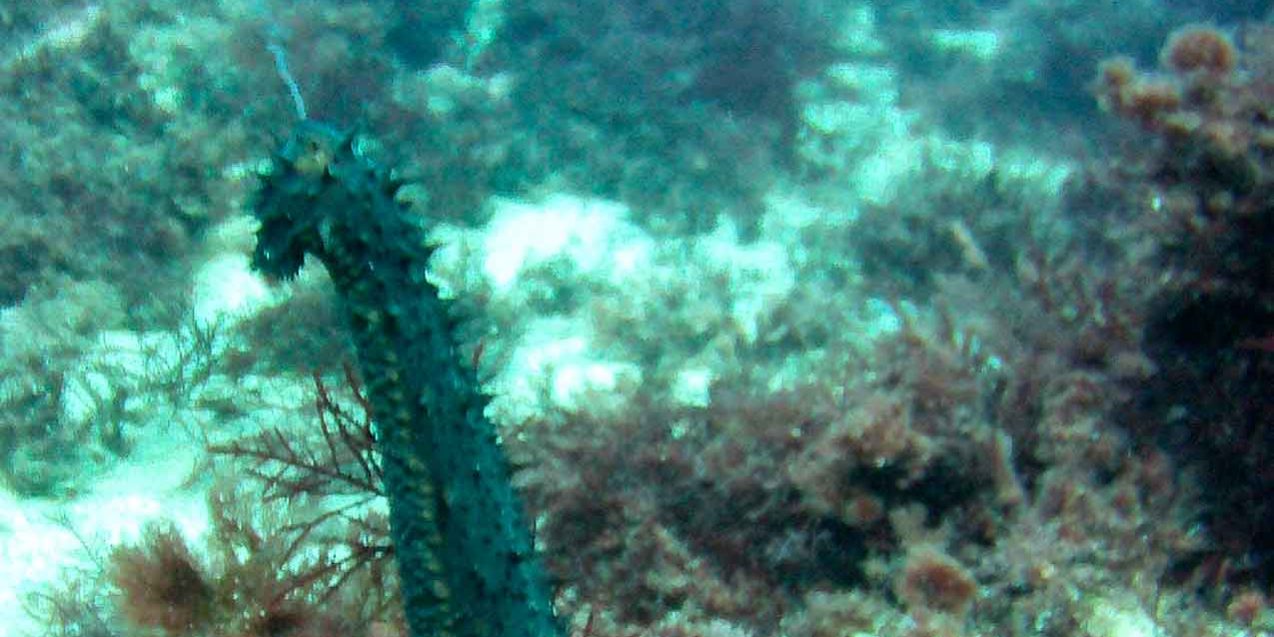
341	463
332	485
315	559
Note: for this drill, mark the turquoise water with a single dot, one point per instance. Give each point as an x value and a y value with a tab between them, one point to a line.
785	317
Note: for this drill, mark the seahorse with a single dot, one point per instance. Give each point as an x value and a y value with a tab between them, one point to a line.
465	553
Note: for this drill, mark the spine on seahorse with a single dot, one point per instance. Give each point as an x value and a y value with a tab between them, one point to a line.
465	553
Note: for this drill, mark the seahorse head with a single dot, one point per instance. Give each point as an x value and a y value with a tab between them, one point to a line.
287	202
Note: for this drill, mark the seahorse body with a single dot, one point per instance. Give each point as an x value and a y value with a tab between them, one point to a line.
465	555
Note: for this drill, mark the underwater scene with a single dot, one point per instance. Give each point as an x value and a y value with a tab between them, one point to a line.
637	318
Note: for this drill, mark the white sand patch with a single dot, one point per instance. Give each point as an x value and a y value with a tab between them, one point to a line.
592	234
40	540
